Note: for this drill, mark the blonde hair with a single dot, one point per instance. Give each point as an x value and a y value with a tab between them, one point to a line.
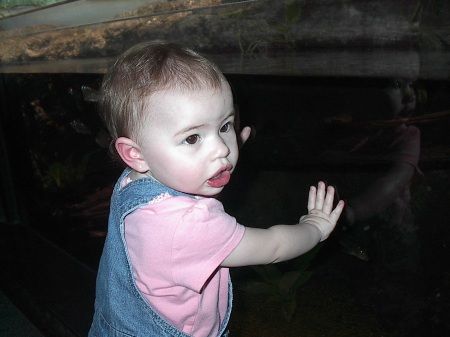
141	71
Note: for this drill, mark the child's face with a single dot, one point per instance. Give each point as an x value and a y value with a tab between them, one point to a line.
191	143
402	97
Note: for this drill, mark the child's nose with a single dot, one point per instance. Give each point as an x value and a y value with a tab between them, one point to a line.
220	148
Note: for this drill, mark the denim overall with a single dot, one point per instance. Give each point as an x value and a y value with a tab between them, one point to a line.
120	309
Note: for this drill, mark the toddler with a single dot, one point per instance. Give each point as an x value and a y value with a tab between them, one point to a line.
164	268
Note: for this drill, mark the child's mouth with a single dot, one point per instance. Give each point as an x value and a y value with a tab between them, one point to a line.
221	178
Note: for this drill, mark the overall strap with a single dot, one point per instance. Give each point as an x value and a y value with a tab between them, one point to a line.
140	192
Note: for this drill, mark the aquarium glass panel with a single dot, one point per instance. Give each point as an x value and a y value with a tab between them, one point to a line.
291	37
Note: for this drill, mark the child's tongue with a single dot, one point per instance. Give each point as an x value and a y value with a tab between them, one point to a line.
220	180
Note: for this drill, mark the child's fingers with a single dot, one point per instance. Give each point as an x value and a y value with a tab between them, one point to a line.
329	198
320	195
336	213
312	198
322	198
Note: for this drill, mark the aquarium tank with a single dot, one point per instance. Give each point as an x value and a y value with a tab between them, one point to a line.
319	81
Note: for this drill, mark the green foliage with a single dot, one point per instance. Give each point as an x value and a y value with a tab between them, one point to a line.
252	46
16	3
422	96
282	286
7	6
66	174
292	15
249	45
424	11
422	7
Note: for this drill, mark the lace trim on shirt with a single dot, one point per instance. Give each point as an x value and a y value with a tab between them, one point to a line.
158	198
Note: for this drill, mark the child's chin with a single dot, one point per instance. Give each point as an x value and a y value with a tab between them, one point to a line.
405	113
212	192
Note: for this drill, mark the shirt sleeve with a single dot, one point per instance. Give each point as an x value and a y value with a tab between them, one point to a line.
205	236
405	146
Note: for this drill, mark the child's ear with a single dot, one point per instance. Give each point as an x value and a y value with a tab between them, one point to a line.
131	154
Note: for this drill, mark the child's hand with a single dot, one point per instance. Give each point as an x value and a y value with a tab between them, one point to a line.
320	209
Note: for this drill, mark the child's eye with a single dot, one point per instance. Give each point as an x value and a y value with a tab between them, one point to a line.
192	139
396	84
226	127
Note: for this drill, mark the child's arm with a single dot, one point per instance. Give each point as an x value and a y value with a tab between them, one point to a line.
284	242
380	194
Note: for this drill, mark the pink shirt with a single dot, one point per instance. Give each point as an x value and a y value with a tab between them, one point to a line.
176	246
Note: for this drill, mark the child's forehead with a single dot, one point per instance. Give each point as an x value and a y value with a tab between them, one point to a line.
164	105
174	97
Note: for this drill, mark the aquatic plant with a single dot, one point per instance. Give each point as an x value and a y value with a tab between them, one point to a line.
252	42
9	5
424	12
248	44
292	15
66	174
4	8
252	46
281	286
17	3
